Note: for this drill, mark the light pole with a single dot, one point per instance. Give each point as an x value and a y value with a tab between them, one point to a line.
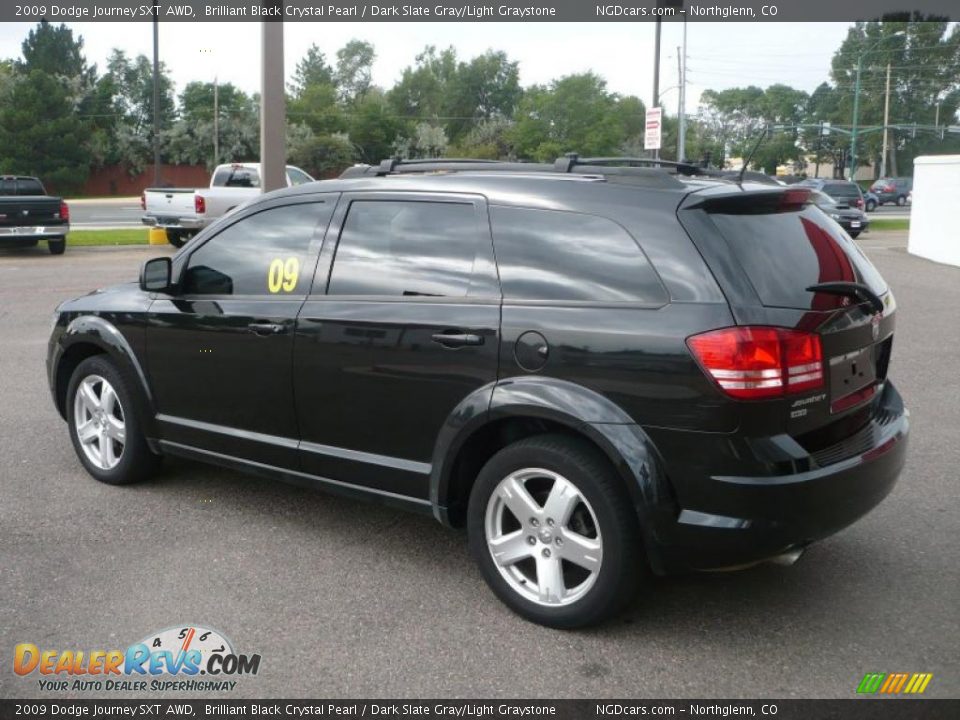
856	100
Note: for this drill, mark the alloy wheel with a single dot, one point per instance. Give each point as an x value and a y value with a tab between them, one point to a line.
99	421
543	536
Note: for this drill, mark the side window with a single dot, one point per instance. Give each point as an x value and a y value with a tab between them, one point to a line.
297	176
406	248
263	254
556	255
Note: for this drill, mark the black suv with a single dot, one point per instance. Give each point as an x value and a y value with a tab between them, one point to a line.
596	369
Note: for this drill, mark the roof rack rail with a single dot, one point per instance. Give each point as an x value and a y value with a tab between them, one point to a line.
682	168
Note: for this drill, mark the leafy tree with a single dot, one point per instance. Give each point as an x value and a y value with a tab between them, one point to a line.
423	90
323	156
317	107
427	141
374	128
487	87
312	70
52	49
41	132
489	139
573	114
191	139
354	67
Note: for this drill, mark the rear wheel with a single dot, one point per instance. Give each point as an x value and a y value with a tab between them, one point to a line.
554	532
854	233
177	238
57	246
104	428
871	206
901	200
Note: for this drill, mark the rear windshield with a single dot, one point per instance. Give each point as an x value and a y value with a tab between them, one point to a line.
844	191
785	253
20	186
237	177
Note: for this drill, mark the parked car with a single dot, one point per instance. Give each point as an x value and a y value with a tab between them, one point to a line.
840	190
870	201
850	219
183	212
28	215
597	370
892	190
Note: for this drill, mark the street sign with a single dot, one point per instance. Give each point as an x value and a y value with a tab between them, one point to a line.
824	128
654	128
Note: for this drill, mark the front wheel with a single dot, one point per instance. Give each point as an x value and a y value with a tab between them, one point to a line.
854	233
554	532
57	246
104	427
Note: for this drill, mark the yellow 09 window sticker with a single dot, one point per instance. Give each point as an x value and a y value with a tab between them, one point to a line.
283	274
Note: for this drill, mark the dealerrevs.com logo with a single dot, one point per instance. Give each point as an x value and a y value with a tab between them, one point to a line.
172	659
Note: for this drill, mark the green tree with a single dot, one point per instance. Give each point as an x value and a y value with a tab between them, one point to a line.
925	71
313	69
52	49
354	68
573	114
191	138
423	90
374	128
41	132
323	156
487	87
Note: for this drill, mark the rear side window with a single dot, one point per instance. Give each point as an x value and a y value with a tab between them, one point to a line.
263	254
563	256
785	253
406	249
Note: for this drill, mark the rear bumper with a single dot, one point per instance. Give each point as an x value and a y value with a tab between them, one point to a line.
168	223
746	519
32	232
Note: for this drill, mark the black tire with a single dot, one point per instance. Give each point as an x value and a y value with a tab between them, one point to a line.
901	200
583	465
854	233
176	238
57	246
871	206
136	461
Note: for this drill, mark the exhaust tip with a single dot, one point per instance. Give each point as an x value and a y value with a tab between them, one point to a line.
788	558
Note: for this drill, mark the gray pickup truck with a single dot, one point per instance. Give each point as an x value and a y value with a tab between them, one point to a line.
28	215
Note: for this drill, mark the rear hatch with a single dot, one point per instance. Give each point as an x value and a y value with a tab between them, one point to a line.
767	250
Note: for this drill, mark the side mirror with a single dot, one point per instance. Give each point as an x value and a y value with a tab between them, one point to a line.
155	274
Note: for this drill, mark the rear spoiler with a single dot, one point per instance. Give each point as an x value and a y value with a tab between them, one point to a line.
754	202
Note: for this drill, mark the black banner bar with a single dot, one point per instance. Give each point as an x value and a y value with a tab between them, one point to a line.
468	10
858	709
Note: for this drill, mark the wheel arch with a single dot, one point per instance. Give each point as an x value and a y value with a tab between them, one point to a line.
512	410
90	335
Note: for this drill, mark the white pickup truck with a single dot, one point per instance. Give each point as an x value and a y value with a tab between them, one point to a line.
183	212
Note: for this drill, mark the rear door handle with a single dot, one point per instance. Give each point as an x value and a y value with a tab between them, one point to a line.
265	328
455	340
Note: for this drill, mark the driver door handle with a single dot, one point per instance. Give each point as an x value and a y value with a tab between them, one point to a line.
265	328
455	340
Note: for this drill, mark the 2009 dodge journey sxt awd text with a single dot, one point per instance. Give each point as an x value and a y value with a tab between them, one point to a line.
597	368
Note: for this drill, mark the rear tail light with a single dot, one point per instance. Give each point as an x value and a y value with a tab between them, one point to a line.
760	362
859	203
64	211
199	204
143	201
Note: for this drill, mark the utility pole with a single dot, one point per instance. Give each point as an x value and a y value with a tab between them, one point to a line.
856	117
656	75
156	101
886	122
681	116
273	111
216	121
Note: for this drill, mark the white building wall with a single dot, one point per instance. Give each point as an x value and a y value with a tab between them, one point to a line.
934	232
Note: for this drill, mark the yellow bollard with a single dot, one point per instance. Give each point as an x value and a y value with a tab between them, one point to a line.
158	236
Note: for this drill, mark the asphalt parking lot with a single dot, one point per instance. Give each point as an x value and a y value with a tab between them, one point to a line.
344	599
